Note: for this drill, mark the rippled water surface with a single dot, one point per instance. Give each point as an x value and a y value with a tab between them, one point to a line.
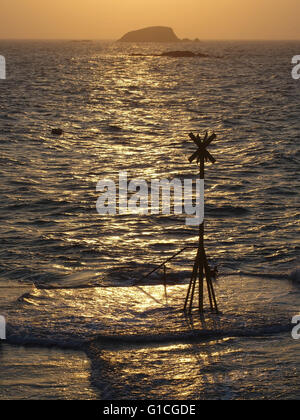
134	113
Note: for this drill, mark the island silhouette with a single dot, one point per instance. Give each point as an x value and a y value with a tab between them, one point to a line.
156	34
152	34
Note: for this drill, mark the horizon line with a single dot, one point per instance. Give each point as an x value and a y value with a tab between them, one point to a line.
180	40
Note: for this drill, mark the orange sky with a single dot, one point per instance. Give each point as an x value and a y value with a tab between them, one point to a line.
110	19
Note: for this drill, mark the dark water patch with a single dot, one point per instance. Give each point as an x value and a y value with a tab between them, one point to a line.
162	246
113	128
144	340
227	211
27	275
284	191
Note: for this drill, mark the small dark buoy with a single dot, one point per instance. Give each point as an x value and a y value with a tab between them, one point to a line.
57	131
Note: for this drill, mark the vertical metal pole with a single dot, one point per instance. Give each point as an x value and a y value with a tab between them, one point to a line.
201	270
201	246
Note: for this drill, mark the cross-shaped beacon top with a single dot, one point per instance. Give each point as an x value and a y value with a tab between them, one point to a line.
201	152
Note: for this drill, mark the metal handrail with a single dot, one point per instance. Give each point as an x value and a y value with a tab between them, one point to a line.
165	262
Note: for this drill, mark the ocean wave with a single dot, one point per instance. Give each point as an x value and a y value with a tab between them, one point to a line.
44	338
59	341
149	314
293	275
189	337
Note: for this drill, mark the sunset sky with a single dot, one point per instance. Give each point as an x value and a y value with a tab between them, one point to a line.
110	19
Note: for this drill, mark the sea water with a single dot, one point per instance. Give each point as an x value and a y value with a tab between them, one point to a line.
68	275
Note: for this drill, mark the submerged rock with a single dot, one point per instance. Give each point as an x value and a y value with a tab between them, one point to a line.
151	34
57	131
175	54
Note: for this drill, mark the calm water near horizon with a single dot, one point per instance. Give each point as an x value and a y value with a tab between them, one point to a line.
67	273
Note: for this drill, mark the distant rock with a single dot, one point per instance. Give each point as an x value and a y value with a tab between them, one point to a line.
57	131
174	54
190	40
151	34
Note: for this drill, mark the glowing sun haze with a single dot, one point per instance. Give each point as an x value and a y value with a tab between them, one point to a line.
110	19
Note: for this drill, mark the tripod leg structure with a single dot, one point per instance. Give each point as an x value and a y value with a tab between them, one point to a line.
192	286
201	271
191	289
210	287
